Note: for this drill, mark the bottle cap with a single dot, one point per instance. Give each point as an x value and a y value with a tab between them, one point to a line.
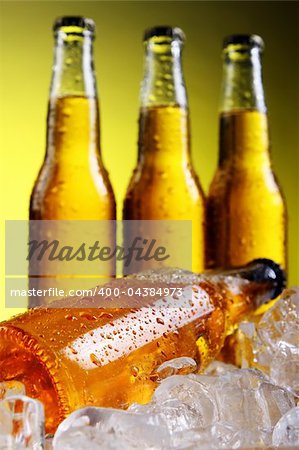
266	269
74	21
164	30
250	40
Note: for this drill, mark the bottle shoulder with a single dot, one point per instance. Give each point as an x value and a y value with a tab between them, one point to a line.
66	192
145	178
228	183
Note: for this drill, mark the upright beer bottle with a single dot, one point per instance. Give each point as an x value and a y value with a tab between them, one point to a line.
73	183
246	213
164	185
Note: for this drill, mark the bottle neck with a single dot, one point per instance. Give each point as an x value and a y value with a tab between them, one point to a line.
242	86
164	118
163	83
244	141
244	137
73	69
250	286
73	114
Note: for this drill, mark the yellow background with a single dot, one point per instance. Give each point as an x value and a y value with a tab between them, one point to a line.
26	51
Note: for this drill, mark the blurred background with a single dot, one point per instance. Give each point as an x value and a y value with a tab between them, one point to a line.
26	51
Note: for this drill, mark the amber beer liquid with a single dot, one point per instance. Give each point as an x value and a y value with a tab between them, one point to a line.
73	183
79	354
164	185
246	212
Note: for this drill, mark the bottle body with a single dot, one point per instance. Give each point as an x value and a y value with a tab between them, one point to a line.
79	354
246	212
73	183
164	185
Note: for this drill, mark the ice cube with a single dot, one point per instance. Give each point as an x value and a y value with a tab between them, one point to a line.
243	403
223	408
274	341
219	368
176	366
286	431
22	423
10	388
110	429
192	391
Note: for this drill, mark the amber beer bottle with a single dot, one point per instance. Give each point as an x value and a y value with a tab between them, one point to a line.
73	183
164	185
81	354
246	212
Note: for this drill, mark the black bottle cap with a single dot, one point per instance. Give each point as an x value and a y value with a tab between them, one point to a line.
266	269
74	21
164	30
250	40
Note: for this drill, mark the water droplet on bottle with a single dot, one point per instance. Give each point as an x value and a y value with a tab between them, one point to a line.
162	174
66	112
106	315
134	371
160	321
73	350
95	360
70	317
87	316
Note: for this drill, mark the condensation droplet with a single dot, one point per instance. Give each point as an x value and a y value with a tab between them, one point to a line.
159	320
95	360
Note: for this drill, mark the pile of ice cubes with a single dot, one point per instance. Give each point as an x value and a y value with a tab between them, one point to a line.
224	408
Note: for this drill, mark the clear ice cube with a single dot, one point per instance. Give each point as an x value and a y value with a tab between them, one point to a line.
236	406
110	429
21	423
176	366
216	368
10	388
275	341
286	431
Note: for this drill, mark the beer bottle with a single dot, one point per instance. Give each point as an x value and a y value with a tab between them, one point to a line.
79	353
246	212
164	185
73	183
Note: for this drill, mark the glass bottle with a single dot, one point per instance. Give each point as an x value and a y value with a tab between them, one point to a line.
164	185
246	211
80	352
73	183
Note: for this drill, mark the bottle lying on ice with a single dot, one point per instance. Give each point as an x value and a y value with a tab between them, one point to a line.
79	353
